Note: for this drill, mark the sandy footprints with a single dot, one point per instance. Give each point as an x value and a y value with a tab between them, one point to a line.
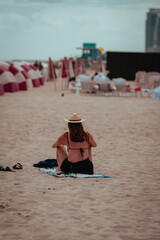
6	207
3	206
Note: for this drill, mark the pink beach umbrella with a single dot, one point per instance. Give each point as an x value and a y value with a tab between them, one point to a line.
64	72
66	60
51	72
100	64
71	71
65	68
82	67
77	71
8	81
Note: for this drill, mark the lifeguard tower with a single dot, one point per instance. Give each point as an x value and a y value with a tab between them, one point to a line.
89	51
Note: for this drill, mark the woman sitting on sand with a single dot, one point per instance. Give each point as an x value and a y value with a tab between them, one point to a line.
79	143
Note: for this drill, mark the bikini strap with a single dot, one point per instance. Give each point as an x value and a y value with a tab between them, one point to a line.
81	149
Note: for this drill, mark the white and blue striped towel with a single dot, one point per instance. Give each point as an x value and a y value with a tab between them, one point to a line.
51	172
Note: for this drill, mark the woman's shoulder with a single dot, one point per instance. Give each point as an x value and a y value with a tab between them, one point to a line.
63	135
90	136
88	133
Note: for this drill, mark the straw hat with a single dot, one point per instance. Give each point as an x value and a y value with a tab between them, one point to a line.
74	118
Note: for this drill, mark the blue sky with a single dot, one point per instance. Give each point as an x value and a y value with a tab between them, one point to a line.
37	29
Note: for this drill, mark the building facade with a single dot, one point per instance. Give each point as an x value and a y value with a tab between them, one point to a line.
153	30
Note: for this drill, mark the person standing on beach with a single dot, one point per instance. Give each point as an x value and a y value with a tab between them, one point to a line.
79	144
35	64
40	66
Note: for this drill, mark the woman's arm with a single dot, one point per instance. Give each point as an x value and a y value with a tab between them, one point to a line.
92	141
60	141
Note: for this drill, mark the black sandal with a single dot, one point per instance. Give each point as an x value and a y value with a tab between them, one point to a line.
18	166
7	169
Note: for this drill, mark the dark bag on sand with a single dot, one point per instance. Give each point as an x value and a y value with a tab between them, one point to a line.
48	163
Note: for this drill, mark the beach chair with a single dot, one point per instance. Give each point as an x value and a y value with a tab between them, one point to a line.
150	78
156	81
86	87
124	89
151	83
121	86
141	79
103	88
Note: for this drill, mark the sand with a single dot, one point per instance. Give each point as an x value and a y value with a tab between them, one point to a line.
34	205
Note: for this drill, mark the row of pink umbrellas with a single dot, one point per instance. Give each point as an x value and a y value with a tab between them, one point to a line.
70	68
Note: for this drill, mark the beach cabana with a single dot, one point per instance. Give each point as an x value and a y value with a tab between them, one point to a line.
32	74
8	80
5	64
41	79
19	77
23	75
28	79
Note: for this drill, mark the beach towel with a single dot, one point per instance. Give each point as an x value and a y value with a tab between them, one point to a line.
51	172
